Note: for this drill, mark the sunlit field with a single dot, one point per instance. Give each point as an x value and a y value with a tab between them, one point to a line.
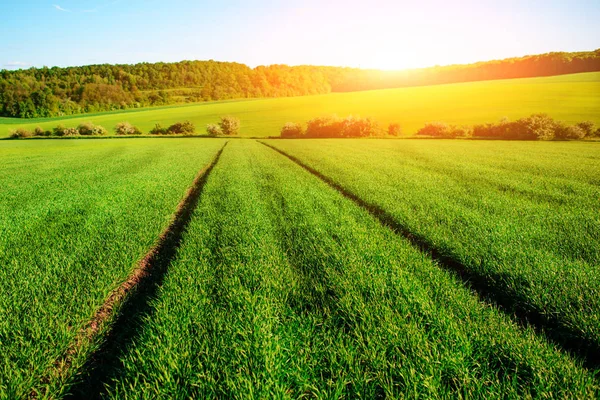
570	98
305	268
75	217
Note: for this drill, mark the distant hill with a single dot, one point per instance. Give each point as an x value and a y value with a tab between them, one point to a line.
569	98
50	92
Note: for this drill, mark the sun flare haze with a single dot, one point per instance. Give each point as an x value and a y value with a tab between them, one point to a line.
383	34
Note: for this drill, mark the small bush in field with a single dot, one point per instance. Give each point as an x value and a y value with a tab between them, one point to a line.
461	131
588	127
86	128
229	125
20	133
443	130
59	130
394	129
99	131
71	132
436	129
38	131
125	128
358	127
292	130
213	129
334	127
537	126
182	128
563	131
158	130
323	127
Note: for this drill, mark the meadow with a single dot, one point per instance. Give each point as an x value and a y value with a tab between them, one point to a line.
306	268
571	98
75	218
283	288
522	220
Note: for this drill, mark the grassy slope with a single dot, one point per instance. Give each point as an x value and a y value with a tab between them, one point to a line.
285	289
75	216
572	98
524	216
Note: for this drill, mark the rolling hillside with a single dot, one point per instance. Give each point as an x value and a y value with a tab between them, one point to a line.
571	98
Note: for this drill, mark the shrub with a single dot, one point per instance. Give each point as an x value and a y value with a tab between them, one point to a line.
292	130
435	129
38	131
334	127
125	128
86	129
588	127
99	131
59	130
229	125
564	131
537	126
443	130
20	133
323	127
482	130
89	129
503	129
158	130
394	129
358	127
213	129
71	132
460	131
182	128
534	127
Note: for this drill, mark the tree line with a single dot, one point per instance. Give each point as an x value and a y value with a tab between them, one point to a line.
51	92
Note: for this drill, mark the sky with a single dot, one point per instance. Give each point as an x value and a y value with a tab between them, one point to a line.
382	34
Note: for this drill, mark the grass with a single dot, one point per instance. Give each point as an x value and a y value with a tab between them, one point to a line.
283	288
572	98
520	218
328	273
76	217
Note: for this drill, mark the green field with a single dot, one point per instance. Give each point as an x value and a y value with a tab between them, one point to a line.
572	98
75	217
521	218
308	268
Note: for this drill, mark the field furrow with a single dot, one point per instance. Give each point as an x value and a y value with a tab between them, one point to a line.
519	220
73	228
282	287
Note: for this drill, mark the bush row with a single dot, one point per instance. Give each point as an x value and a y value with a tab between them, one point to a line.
84	129
227	126
335	127
534	127
89	129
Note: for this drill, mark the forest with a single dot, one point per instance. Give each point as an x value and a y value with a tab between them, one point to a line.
50	92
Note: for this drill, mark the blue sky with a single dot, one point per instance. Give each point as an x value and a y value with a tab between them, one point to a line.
387	34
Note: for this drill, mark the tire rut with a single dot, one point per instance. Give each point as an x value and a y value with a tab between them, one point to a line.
114	324
504	298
